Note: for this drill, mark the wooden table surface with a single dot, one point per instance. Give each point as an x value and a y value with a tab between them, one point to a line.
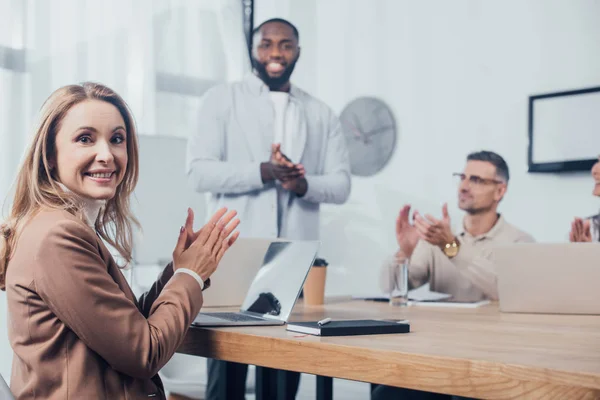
479	353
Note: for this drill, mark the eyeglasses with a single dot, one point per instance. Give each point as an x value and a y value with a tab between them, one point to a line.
476	180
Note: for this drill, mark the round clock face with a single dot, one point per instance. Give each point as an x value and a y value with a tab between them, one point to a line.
370	131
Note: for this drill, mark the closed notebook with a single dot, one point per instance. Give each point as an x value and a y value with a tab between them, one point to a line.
350	328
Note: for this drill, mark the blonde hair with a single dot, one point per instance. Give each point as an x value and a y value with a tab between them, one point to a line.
37	189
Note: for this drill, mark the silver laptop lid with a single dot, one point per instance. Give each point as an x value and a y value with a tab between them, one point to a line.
237	269
277	284
556	278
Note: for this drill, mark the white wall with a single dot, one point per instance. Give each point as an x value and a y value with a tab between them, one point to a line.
457	75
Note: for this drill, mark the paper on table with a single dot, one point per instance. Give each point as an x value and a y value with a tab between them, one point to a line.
419	294
445	303
422	293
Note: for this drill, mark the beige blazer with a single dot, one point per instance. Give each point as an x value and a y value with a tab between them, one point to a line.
76	329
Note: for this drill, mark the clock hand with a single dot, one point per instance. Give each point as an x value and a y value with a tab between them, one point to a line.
378	130
356	132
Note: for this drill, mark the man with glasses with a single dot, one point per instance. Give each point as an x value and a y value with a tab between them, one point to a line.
457	264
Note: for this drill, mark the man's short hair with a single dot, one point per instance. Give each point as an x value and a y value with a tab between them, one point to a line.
280	20
493	158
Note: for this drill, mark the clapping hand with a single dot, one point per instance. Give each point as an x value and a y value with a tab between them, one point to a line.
292	175
280	159
406	233
191	236
437	232
202	251
279	167
580	231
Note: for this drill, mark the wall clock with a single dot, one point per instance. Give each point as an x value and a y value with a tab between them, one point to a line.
370	131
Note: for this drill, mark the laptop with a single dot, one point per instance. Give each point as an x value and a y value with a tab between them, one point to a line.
242	261
549	278
274	290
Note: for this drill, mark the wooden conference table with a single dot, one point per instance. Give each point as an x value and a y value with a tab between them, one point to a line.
478	353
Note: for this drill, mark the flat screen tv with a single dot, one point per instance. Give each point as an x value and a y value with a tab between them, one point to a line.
564	130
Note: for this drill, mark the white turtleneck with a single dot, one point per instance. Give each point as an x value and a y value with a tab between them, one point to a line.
91	210
91	207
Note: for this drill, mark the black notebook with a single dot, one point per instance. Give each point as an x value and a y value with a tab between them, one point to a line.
352	327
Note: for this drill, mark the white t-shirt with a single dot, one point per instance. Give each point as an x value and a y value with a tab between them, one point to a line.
285	124
281	100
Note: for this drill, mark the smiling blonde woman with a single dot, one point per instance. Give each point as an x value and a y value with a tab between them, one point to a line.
76	329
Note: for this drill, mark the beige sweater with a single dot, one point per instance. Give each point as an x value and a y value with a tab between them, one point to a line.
470	276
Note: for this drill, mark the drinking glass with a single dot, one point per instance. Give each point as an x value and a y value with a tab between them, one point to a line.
399	279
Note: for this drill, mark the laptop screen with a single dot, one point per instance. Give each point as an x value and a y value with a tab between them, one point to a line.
278	282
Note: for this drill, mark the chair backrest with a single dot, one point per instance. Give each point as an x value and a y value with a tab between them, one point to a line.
5	393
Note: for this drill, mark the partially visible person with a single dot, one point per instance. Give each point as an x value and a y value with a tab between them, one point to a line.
75	327
588	229
272	151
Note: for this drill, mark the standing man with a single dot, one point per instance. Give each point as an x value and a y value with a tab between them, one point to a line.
269	150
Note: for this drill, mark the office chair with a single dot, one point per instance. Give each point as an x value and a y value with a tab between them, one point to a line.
5	393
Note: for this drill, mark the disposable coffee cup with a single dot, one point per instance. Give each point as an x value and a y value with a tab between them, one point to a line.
314	286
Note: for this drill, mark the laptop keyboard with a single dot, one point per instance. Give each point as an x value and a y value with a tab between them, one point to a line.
236	317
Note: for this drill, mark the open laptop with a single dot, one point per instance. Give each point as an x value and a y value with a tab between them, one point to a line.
549	278
242	261
273	291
